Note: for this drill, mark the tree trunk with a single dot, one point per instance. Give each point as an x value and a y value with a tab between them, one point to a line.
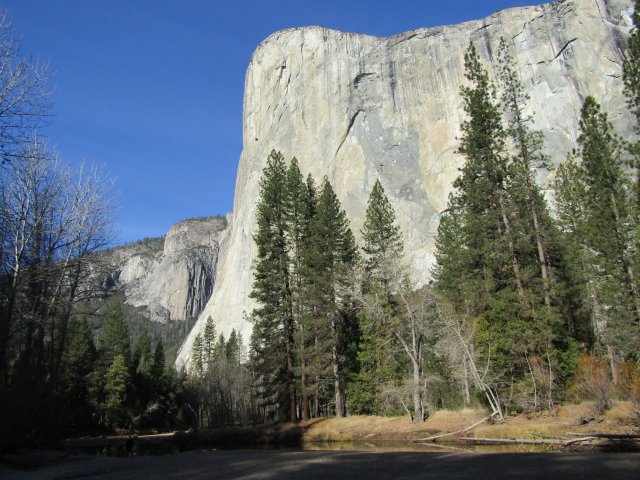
612	363
316	400
291	387
515	264
542	258
303	376
417	397
340	404
466	386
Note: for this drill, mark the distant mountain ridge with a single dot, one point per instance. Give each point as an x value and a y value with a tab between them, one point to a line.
171	277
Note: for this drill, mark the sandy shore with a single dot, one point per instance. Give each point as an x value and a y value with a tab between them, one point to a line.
327	465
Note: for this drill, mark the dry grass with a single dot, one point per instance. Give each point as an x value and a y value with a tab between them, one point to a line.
366	430
567	418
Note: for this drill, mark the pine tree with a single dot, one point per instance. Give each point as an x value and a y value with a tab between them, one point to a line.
78	367
547	277
220	348
528	152
631	77
455	273
197	355
609	224
490	243
330	254
114	340
631	66
581	302
380	234
273	339
378	361
158	369
141	364
299	210
142	357
208	341
116	402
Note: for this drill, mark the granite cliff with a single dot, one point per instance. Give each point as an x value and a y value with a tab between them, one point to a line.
172	277
359	108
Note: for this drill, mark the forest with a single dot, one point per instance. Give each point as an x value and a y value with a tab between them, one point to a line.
533	303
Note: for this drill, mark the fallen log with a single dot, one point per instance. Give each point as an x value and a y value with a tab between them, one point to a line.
510	441
559	442
610	436
464	430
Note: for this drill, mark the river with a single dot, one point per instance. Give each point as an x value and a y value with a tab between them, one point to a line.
336	464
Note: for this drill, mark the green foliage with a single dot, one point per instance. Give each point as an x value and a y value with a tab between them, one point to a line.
78	380
598	216
208	341
303	327
380	366
330	256
500	257
114	340
197	355
272	340
233	348
115	406
142	356
631	66
380	233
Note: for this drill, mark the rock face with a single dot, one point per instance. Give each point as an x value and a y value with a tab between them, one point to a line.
172	277
359	108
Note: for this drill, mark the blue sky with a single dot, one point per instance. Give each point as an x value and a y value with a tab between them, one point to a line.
152	89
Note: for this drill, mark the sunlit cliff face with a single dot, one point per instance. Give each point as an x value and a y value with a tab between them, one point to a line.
358	108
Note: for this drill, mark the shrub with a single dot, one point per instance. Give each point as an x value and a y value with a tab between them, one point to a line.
593	381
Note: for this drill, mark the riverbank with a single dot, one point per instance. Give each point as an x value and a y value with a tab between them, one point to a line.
450	427
575	418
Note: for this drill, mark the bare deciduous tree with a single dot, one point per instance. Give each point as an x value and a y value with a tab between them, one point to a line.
409	317
456	334
51	223
24	96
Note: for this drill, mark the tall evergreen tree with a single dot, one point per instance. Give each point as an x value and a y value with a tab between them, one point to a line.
493	259
378	361
114	340
158	367
78	365
273	339
332	252
299	210
609	225
631	66
142	357
117	398
197	355
380	233
527	146
208	341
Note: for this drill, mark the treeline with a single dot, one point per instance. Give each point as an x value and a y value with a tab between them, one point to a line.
171	334
337	328
528	306
221	379
114	384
